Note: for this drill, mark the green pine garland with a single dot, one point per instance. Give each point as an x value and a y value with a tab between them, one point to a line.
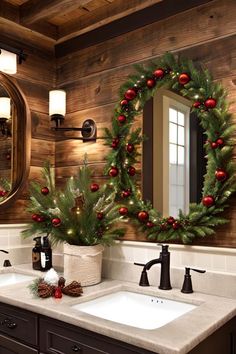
82	213
209	103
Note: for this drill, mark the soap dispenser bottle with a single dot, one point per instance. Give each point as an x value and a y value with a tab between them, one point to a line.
36	254
46	255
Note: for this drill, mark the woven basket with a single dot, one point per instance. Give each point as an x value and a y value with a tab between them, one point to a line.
83	263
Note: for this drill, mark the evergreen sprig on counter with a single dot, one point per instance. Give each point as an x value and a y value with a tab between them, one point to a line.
209	103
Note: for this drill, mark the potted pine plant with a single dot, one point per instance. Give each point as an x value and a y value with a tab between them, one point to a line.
82	215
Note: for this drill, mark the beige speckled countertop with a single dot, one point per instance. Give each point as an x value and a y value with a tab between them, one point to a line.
177	337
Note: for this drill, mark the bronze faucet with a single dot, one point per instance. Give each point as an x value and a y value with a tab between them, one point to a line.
164	260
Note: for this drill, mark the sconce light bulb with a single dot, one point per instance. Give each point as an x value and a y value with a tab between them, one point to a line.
8	62
5	107
57	102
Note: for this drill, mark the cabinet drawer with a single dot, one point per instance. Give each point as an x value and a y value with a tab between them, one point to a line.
11	346
19	324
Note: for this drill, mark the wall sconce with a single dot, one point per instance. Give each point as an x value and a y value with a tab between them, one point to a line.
57	111
8	58
5	115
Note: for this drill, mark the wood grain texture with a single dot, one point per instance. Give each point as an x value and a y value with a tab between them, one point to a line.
93	75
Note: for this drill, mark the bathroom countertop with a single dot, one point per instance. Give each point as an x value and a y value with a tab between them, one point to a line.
177	337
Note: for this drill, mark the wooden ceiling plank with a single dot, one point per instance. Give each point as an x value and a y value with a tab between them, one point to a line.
38	10
9	11
102	16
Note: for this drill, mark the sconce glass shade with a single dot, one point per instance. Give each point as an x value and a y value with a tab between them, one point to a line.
8	62
5	107
57	103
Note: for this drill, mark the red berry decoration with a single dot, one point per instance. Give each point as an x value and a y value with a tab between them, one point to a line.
35	217
121	119
123	211
131	171
100	215
113	171
130	94
184	78
210	103
176	225
208	201
3	193
170	220
214	145
130	148
150	83
221	175
150	224
45	190
220	142
56	222
159	73
196	104
94	187
115	143
143	216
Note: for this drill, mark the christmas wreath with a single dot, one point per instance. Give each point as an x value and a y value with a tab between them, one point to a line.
209	103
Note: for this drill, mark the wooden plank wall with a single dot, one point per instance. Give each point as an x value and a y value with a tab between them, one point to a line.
93	75
35	77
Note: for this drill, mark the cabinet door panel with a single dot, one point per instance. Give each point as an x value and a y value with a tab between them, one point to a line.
11	346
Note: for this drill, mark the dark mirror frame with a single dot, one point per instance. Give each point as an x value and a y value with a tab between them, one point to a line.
21	139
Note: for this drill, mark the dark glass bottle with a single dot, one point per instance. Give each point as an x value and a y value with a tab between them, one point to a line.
36	254
46	255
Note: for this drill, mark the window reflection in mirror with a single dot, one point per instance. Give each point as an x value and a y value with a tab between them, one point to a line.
173	156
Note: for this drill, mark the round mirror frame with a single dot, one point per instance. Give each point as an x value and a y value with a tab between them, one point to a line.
23	139
209	103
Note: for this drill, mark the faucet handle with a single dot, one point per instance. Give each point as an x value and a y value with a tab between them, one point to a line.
139	264
187	284
144	278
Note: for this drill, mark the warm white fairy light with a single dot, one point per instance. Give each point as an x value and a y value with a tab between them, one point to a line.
196	96
70	231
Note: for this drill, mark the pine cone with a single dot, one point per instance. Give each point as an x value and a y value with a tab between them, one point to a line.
45	290
73	289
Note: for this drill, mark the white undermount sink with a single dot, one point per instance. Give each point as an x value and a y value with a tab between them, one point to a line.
134	309
13	278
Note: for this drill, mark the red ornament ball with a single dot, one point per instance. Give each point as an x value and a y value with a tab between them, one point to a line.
210	103
130	148
113	171
126	193
3	193
45	190
56	222
121	119
184	78
221	175
94	187
196	104
100	215
124	103
123	211
150	83
115	143
150	224
208	201
143	216
176	225
170	220
214	145
131	171
130	94
220	142
40	218
159	73
35	217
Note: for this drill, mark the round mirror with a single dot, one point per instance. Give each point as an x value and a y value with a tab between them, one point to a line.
14	140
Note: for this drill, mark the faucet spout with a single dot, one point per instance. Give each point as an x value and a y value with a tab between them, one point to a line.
149	264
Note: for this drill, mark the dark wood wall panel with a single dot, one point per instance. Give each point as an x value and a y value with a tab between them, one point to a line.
92	76
35	77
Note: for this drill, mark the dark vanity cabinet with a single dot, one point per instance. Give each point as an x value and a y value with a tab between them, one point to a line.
24	332
18	331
